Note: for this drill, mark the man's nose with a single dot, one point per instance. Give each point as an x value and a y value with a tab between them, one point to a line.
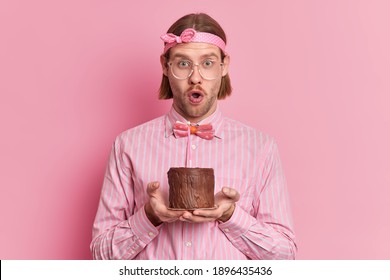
195	77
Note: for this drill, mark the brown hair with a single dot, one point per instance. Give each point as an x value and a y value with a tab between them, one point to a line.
202	23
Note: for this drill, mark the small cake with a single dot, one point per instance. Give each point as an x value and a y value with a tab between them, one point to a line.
191	188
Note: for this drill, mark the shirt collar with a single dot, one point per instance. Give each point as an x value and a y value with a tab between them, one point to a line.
215	120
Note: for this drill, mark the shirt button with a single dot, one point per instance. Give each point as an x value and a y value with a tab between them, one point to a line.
151	234
188	244
193	146
226	230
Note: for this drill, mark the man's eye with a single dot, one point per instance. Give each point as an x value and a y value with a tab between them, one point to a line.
184	64
208	63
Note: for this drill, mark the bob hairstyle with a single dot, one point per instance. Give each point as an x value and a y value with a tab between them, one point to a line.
202	23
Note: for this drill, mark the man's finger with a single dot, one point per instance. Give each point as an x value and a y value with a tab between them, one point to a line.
187	217
152	187
231	193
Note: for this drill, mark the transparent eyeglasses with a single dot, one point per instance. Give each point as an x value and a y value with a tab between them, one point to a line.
208	69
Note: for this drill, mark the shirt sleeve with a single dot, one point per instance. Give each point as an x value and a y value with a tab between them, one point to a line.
268	233
119	232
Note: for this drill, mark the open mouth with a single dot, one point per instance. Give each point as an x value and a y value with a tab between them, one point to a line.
195	97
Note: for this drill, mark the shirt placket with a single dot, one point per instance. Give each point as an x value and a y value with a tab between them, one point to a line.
192	151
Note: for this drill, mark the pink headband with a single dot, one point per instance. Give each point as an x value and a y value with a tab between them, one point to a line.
190	35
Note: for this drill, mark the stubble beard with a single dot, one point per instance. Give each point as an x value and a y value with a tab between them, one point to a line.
194	112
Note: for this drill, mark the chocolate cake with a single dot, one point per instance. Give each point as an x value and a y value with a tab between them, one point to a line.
191	188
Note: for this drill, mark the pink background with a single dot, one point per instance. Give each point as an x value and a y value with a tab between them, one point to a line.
313	74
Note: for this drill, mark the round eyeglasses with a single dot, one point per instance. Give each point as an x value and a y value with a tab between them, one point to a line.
183	69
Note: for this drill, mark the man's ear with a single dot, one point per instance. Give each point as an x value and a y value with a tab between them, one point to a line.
226	62
164	64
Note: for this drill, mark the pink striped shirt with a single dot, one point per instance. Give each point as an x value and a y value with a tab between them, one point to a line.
261	225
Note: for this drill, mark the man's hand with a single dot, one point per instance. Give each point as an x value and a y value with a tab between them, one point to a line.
226	202
156	209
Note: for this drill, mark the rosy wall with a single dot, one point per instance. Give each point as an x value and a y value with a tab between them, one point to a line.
314	74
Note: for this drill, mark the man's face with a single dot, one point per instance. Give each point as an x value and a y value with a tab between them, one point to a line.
195	98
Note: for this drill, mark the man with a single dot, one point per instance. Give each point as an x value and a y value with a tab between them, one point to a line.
252	218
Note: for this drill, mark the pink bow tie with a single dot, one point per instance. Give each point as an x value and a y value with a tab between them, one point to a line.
204	131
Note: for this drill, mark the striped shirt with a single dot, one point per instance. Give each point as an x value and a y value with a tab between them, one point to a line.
242	158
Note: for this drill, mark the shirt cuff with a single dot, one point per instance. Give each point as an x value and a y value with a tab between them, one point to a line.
238	224
142	227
